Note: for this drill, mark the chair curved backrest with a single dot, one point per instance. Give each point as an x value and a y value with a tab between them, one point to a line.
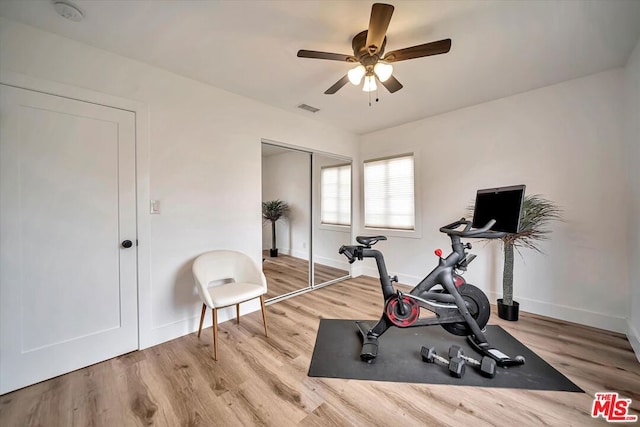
227	278
221	265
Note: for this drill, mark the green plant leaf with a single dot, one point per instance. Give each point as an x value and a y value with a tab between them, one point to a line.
273	210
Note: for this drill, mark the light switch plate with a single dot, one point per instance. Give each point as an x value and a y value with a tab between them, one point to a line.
154	207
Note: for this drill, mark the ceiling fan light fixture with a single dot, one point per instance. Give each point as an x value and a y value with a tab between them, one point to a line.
369	50
369	84
383	70
356	74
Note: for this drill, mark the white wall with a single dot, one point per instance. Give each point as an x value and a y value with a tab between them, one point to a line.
287	177
565	143
204	162
632	147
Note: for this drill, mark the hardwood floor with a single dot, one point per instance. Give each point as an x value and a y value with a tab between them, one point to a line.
284	274
288	274
263	381
324	273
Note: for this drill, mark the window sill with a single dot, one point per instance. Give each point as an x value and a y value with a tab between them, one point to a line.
390	232
338	228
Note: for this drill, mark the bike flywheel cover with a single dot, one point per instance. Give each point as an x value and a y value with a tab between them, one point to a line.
395	316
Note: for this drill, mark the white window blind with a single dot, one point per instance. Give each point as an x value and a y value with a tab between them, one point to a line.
335	195
389	200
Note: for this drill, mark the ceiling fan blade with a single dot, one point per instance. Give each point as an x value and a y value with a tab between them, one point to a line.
326	55
378	24
427	49
392	84
337	85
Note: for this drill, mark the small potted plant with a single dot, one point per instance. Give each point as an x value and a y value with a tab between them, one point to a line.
536	214
272	211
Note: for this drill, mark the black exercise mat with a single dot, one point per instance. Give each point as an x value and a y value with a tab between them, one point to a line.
337	355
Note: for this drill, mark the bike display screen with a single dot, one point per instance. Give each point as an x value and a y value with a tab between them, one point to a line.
504	204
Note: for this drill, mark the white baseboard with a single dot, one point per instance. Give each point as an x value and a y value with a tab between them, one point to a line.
634	338
342	265
356	269
299	254
543	308
284	251
189	325
570	314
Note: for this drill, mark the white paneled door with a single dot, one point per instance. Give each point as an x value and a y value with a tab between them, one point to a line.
68	289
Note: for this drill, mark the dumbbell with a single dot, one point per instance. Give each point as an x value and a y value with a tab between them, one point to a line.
456	365
487	365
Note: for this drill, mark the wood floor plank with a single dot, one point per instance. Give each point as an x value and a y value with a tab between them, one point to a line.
324	415
285	274
263	381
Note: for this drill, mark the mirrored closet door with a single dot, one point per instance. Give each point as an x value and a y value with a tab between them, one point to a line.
316	188
331	217
286	178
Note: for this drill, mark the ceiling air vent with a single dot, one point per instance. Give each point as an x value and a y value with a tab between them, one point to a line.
308	108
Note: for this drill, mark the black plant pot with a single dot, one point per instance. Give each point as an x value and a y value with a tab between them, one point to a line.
508	312
273	252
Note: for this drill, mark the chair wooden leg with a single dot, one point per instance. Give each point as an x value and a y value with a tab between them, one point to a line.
264	315
237	313
215	334
204	310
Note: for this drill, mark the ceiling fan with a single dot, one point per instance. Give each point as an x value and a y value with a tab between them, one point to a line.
368	49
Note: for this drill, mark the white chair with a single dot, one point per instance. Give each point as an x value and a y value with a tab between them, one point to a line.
224	278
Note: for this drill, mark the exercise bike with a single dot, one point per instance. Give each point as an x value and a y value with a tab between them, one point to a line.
459	307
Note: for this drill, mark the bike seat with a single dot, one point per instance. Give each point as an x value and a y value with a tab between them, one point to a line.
369	240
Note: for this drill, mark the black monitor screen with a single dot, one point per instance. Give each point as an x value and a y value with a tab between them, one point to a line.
503	204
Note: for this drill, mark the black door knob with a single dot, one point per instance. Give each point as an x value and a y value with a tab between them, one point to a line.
127	243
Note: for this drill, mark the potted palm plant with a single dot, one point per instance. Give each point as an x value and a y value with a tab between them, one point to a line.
272	211
536	214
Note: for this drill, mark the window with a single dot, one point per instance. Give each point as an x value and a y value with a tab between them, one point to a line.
389	193
335	195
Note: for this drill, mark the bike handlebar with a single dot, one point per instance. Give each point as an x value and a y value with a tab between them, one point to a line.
483	233
353	252
348	251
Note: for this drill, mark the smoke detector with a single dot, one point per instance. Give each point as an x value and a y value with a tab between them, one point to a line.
68	10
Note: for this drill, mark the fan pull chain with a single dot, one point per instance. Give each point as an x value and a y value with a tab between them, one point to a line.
377	97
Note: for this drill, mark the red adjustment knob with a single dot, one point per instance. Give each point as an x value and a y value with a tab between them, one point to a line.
438	252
